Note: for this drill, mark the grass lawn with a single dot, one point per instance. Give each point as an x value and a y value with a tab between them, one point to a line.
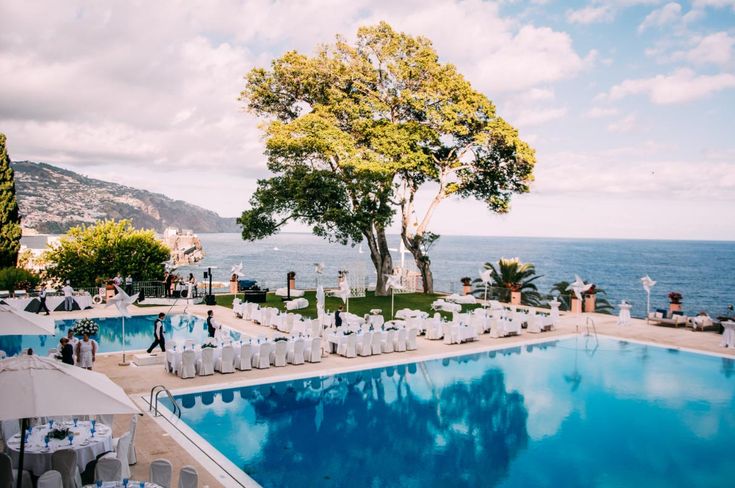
358	306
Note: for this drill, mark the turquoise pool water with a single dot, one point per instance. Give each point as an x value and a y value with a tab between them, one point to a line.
564	413
138	333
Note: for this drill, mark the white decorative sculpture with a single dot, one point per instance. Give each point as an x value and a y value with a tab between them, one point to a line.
237	270
393	282
647	283
121	301
578	286
624	315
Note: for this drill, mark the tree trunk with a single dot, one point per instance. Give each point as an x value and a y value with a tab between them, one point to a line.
380	256
423	262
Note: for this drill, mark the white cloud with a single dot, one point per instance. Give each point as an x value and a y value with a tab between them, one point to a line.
600	112
715	49
701	4
590	15
683	85
626	124
668	14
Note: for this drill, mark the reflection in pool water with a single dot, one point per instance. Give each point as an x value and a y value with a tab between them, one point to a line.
138	333
557	414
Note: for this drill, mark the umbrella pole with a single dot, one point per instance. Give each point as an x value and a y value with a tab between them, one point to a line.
124	361
23	427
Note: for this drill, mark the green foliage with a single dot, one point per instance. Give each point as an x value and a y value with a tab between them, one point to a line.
105	249
354	131
602	305
511	275
10	231
17	279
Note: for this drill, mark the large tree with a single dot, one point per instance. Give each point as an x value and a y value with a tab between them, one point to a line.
10	231
104	249
385	112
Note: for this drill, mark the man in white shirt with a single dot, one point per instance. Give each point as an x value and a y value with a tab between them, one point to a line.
42	298
158	337
68	298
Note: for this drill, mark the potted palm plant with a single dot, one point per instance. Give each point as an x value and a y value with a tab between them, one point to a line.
292	279
513	282
590	296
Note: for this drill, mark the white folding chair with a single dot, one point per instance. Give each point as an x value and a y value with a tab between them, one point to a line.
447	333
262	359
316	328
226	361
121	454
161	472
188	364
108	469
188	477
278	355
347	346
50	479
297	355
246	356
9	476
377	345
132	459
388	344
205	365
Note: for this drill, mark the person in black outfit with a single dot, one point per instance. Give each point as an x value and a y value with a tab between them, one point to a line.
211	326
337	316
67	351
42	299
167	284
159	339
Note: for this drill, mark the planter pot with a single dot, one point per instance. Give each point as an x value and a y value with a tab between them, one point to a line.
589	303
515	298
576	306
466	289
292	283
674	307
233	287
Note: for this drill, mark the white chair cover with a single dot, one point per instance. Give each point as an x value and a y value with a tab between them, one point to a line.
389	341
161	472
65	462
188	364
365	345
347	347
411	340
189	343
316	328
297	355
8	475
226	361
108	469
400	340
122	454
377	345
262	359
447	333
278	356
205	365
314	352
50	479
132	458
188	477
244	361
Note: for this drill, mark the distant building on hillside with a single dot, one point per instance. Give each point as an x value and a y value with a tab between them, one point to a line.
32	248
186	248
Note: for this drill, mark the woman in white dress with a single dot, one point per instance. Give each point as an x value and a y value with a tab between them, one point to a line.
86	352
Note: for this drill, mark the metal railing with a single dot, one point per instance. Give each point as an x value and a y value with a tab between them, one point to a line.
153	401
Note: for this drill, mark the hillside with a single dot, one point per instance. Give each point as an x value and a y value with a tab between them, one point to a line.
53	199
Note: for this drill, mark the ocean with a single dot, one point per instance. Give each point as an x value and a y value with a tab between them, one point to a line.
701	270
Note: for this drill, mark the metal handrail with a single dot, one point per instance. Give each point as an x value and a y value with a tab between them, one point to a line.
158	389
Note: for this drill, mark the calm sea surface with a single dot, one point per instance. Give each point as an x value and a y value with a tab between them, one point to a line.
702	271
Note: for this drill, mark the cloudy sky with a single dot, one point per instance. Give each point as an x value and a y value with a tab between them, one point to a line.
630	104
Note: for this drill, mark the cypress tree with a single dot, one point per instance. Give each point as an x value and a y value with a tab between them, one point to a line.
10	231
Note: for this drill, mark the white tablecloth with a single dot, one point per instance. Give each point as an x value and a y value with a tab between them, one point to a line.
37	458
624	316
728	336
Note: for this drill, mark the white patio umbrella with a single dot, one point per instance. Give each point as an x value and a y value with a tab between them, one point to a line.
122	300
34	386
16	322
648	283
393	282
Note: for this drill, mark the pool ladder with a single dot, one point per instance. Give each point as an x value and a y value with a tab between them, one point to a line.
591	332
157	390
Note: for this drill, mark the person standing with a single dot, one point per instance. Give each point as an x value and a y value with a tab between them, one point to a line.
68	297
166	284
42	299
129	285
67	351
212	326
86	352
338	316
192	286
158	337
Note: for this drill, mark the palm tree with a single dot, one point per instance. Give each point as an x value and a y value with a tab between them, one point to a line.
511	275
602	305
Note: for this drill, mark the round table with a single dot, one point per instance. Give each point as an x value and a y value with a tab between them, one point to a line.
728	335
624	316
37	458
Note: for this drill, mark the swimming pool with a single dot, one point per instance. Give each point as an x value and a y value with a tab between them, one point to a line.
138	333
562	413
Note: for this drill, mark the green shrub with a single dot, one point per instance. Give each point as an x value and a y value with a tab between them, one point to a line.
18	279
